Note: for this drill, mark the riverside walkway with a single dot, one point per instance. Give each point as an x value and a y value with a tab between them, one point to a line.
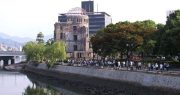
171	71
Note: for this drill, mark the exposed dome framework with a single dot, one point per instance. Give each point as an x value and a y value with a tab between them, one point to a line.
76	11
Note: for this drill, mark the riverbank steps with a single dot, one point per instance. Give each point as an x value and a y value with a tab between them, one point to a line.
136	82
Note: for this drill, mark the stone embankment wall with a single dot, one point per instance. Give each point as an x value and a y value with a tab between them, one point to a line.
144	79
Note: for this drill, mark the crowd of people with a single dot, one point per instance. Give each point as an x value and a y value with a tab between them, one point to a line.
117	64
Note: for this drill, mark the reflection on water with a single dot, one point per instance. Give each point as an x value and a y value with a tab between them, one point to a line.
48	85
13	83
37	90
75	85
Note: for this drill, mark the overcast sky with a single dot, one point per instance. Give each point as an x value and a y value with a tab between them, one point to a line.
25	18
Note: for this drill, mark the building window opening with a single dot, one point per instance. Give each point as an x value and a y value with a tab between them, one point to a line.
75	37
61	35
75	47
74	28
81	20
79	55
61	28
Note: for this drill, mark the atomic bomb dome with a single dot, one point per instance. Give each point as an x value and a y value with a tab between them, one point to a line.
76	11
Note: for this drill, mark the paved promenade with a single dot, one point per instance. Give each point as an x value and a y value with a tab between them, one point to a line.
171	71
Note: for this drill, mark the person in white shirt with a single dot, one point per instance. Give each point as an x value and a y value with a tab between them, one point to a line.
156	65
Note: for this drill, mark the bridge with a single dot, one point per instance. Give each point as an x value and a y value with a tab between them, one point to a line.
11	53
11	57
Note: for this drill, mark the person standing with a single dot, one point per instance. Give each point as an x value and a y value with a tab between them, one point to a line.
149	66
119	64
131	65
167	66
161	67
156	65
139	65
124	63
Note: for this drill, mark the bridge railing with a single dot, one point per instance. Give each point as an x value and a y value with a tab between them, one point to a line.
11	53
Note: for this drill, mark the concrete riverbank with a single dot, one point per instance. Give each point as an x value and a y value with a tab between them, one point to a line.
145	79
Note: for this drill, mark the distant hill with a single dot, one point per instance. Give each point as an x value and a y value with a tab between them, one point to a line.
14	38
10	43
13	41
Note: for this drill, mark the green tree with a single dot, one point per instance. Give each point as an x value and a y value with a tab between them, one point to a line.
149	46
170	42
50	41
55	52
124	37
114	39
171	36
34	51
40	37
173	20
147	28
157	36
28	49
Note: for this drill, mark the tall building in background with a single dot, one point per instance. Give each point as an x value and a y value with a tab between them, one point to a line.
73	29
97	20
88	6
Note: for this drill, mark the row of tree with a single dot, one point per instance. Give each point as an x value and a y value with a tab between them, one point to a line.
144	37
49	52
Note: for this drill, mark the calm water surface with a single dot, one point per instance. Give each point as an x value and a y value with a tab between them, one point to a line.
13	83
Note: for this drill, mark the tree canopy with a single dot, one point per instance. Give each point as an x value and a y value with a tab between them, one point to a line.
40	37
55	52
170	42
34	51
50	53
145	37
117	38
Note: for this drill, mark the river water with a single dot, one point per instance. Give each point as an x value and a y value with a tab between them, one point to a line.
15	83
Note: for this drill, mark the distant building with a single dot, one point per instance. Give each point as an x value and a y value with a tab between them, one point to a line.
4	47
73	29
97	20
88	6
